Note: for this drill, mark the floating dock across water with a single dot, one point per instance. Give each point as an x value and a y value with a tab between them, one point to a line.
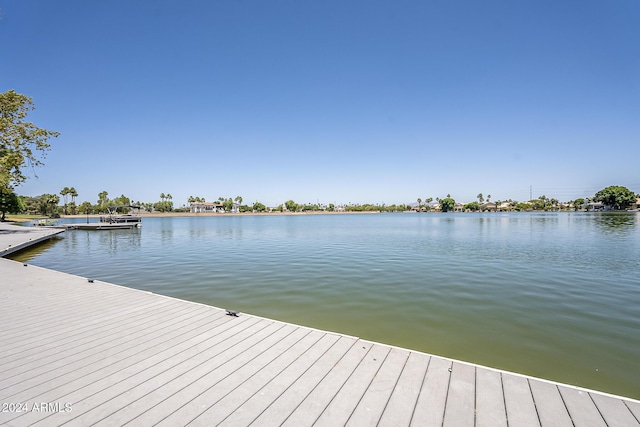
76	352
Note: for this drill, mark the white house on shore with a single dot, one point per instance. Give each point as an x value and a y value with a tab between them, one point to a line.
206	207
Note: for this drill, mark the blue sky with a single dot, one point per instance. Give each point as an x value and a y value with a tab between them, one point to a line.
330	101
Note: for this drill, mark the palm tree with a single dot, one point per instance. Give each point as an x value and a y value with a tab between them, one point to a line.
64	193
73	193
162	197
419	204
480	198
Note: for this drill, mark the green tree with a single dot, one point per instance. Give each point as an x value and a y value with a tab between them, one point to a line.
447	204
103	201
85	208
259	207
19	139
419	204
480	198
65	193
472	206
578	203
616	196
291	205
9	203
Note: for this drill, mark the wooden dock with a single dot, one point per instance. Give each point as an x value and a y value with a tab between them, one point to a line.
14	237
79	353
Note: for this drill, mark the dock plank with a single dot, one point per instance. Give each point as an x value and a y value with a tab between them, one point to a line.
142	383
549	404
224	402
404	397
429	409
279	410
490	409
343	404
613	410
521	409
375	399
460	406
324	392
246	412
581	407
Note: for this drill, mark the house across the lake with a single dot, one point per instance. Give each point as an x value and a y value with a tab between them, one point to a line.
206	207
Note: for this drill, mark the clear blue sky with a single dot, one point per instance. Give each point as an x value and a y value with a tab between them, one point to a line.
336	101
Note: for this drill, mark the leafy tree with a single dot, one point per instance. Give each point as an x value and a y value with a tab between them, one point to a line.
85	208
472	206
259	207
616	196
291	205
19	139
9	203
447	204
578	203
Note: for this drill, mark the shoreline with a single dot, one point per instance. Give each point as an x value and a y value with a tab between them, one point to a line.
207	214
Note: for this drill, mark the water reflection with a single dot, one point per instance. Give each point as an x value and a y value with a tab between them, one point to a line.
619	223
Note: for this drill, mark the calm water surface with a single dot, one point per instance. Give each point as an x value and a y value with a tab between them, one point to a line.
553	295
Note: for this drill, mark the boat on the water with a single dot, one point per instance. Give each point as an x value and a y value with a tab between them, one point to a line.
114	218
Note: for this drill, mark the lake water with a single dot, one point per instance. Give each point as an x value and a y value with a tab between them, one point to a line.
553	295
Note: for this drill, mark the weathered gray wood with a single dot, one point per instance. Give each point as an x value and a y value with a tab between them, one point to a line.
429	409
157	377
370	408
282	408
235	378
549	404
223	401
460	407
404	397
165	400
613	410
581	408
521	410
346	400
247	411
321	396
490	410
15	238
634	407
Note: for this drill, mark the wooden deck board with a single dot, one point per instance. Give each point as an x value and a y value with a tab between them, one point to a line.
119	356
139	383
581	408
404	396
490	409
375	399
460	406
549	405
521	410
279	410
429	410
